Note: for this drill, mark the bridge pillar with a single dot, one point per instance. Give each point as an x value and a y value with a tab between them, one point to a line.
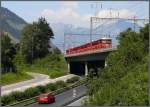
86	69
68	64
105	63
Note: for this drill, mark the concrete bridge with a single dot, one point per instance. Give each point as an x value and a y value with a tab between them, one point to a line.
81	63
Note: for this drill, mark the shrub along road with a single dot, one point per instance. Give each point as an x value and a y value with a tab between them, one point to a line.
39	79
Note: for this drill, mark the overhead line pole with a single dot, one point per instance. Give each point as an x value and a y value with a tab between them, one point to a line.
91	27
64	42
134	23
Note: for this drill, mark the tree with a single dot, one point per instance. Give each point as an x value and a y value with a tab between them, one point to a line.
144	32
124	81
18	61
131	48
35	41
57	51
7	52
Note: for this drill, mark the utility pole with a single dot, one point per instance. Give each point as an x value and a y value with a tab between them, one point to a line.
91	27
32	50
110	13
64	42
96	9
118	14
134	23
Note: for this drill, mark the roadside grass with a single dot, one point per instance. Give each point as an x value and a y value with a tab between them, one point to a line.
10	78
53	65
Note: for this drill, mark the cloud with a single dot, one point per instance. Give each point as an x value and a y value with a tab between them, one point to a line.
69	4
122	13
69	15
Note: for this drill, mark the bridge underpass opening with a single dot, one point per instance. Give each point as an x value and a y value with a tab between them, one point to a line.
77	68
95	65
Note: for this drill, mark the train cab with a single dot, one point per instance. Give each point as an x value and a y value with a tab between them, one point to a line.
106	42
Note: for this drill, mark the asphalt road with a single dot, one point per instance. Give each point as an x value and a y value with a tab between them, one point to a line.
77	102
65	97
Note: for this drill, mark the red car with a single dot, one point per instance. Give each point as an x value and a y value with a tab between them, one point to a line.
46	98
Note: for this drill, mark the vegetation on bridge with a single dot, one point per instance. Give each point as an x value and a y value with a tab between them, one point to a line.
125	80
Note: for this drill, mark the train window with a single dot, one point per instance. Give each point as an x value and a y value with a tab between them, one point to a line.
108	41
95	43
103	41
99	41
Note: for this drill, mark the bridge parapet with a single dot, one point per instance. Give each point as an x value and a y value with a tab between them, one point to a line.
92	52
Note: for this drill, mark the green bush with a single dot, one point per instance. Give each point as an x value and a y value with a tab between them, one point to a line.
18	95
42	89
51	86
73	79
60	84
31	92
7	99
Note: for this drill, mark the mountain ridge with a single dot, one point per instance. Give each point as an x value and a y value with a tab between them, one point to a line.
11	23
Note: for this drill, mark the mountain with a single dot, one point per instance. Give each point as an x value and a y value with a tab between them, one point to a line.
111	28
11	23
117	26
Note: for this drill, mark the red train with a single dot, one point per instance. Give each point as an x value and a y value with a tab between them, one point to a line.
98	44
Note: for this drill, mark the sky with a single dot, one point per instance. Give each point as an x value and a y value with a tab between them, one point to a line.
76	12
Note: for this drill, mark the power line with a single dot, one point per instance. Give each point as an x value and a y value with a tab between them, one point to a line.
95	20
